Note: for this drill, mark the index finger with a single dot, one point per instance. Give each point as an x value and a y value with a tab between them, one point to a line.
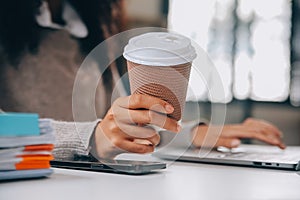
270	128
262	124
242	132
142	101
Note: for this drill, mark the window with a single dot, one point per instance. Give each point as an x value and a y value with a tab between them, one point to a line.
249	43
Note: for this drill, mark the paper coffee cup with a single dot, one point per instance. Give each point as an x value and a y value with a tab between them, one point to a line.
159	64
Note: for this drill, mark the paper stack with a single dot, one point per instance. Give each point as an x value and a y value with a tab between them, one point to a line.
26	144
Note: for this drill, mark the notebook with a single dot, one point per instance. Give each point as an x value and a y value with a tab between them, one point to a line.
26	144
246	155
19	124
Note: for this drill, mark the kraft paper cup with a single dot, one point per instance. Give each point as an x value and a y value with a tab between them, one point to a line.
159	64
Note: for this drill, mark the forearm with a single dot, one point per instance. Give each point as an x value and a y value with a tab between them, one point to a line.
72	138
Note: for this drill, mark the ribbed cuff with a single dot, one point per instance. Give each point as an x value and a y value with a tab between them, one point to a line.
72	138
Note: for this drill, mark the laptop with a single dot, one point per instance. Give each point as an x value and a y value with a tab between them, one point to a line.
262	156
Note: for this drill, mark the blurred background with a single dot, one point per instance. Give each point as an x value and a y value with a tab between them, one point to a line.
255	46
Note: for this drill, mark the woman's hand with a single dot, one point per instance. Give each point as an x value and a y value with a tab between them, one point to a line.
126	123
231	134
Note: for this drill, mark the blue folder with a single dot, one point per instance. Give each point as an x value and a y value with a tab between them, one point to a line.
19	124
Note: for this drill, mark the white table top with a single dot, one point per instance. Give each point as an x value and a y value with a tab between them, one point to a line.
179	181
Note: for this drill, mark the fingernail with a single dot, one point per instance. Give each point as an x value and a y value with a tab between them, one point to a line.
178	128
169	108
283	146
235	143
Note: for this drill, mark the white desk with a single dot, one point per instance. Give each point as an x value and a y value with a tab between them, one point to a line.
179	181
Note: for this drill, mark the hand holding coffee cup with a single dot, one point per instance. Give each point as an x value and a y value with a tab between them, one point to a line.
159	65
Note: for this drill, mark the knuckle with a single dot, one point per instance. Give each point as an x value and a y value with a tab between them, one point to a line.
148	119
110	116
266	130
136	99
258	130
116	142
249	120
145	117
114	110
151	116
114	128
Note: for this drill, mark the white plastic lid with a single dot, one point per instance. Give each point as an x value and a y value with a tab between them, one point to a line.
159	49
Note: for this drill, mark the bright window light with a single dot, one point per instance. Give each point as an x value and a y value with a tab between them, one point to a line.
248	41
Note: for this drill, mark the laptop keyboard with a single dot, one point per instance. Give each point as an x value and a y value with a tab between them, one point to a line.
252	152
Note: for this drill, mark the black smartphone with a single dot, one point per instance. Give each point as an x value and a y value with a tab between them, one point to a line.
83	162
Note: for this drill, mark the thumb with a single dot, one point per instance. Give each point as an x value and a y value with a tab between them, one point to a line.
228	142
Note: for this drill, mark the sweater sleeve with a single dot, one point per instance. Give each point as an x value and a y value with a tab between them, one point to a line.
72	138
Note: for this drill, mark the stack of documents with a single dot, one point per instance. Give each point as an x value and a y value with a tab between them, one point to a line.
26	144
